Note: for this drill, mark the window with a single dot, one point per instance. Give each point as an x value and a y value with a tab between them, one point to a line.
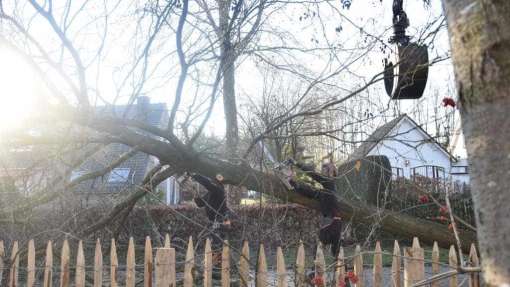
119	175
459	170
397	172
76	173
429	171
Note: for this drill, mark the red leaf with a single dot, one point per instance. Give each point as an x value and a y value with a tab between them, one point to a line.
424	199
317	281
352	277
447	101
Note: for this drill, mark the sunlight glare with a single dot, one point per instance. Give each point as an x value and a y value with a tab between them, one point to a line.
17	89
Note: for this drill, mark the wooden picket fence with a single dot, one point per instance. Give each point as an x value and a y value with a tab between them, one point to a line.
161	270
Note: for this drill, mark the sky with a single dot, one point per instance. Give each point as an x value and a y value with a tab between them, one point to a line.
22	92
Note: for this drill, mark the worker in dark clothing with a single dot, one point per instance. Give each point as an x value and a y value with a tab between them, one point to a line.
217	211
214	201
329	206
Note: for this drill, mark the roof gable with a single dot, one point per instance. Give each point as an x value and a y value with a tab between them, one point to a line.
379	134
382	132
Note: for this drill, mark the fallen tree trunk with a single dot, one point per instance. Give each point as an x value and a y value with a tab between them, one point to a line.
360	177
359	212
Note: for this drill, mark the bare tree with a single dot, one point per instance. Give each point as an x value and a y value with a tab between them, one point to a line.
177	42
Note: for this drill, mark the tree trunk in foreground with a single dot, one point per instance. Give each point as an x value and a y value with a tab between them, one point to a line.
480	39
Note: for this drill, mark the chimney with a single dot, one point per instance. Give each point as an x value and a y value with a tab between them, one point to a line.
143	101
142	107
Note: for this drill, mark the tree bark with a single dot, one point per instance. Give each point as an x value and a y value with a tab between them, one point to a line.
480	39
228	58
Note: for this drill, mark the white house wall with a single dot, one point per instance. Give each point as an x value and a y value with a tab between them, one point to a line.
408	142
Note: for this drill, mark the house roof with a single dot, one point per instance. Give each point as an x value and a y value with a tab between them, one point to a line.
378	135
135	168
21	162
382	132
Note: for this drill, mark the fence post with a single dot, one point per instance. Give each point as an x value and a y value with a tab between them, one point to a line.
64	265
452	261
48	266
173	277
474	277
147	263
167	241
225	265
320	267
281	270
408	267
114	263
80	267
189	264
130	264
414	269
340	269
13	274
208	264
2	255
261	277
244	265
419	255
435	263
98	265
377	272
31	264
163	262
300	275
396	263
358	266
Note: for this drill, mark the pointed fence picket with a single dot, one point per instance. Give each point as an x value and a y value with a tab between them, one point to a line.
2	256
320	267
281	269
80	267
48	266
64	265
189	264
244	265
452	258
31	264
358	266
396	263
208	264
435	263
340	269
98	265
147	266
300	266
261	277
13	273
225	265
114	264
130	264
378	268
474	278
160	270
